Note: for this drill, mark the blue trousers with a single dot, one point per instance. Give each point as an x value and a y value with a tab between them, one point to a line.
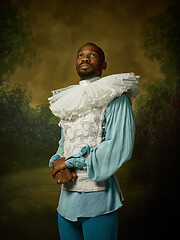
104	227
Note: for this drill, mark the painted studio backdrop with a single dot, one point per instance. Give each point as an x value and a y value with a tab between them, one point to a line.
38	45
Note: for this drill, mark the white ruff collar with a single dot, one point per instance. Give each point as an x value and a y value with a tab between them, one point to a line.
77	100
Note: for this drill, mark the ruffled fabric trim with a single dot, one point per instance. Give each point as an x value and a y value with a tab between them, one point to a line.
78	100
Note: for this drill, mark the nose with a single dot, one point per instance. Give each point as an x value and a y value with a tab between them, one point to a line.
85	59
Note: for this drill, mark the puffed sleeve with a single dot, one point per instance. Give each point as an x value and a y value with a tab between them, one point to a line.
103	161
60	150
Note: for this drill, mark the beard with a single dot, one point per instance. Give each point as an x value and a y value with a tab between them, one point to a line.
86	74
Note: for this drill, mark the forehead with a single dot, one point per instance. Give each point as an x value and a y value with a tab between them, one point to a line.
89	48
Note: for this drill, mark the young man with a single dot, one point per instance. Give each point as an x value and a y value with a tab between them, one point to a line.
97	137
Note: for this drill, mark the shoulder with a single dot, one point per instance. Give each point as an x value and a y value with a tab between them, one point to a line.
123	99
118	105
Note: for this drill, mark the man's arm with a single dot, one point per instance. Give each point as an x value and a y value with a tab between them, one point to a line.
103	161
60	151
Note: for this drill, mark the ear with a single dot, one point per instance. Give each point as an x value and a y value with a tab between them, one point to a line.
104	65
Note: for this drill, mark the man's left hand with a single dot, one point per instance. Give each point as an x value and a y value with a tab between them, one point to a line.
65	175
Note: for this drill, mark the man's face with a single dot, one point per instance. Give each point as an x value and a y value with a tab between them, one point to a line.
89	62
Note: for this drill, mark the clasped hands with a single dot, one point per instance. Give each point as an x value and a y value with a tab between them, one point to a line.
61	172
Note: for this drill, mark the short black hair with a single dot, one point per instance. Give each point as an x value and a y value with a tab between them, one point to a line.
100	49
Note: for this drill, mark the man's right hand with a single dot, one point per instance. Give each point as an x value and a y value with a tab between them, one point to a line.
58	165
65	175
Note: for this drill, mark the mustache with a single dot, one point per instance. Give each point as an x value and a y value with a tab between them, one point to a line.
85	63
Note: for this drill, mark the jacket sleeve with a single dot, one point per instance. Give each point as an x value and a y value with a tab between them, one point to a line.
60	150
103	161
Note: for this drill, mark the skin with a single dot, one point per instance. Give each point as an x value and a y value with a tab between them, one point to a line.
89	60
89	64
65	175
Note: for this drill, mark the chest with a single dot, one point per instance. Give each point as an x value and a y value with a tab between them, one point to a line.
83	130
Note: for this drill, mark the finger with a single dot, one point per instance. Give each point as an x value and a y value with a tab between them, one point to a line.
58	177
69	174
64	177
58	181
54	172
74	176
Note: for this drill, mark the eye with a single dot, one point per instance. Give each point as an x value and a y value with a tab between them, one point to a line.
80	55
93	55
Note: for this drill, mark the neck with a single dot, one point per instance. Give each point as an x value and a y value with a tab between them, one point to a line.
89	80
